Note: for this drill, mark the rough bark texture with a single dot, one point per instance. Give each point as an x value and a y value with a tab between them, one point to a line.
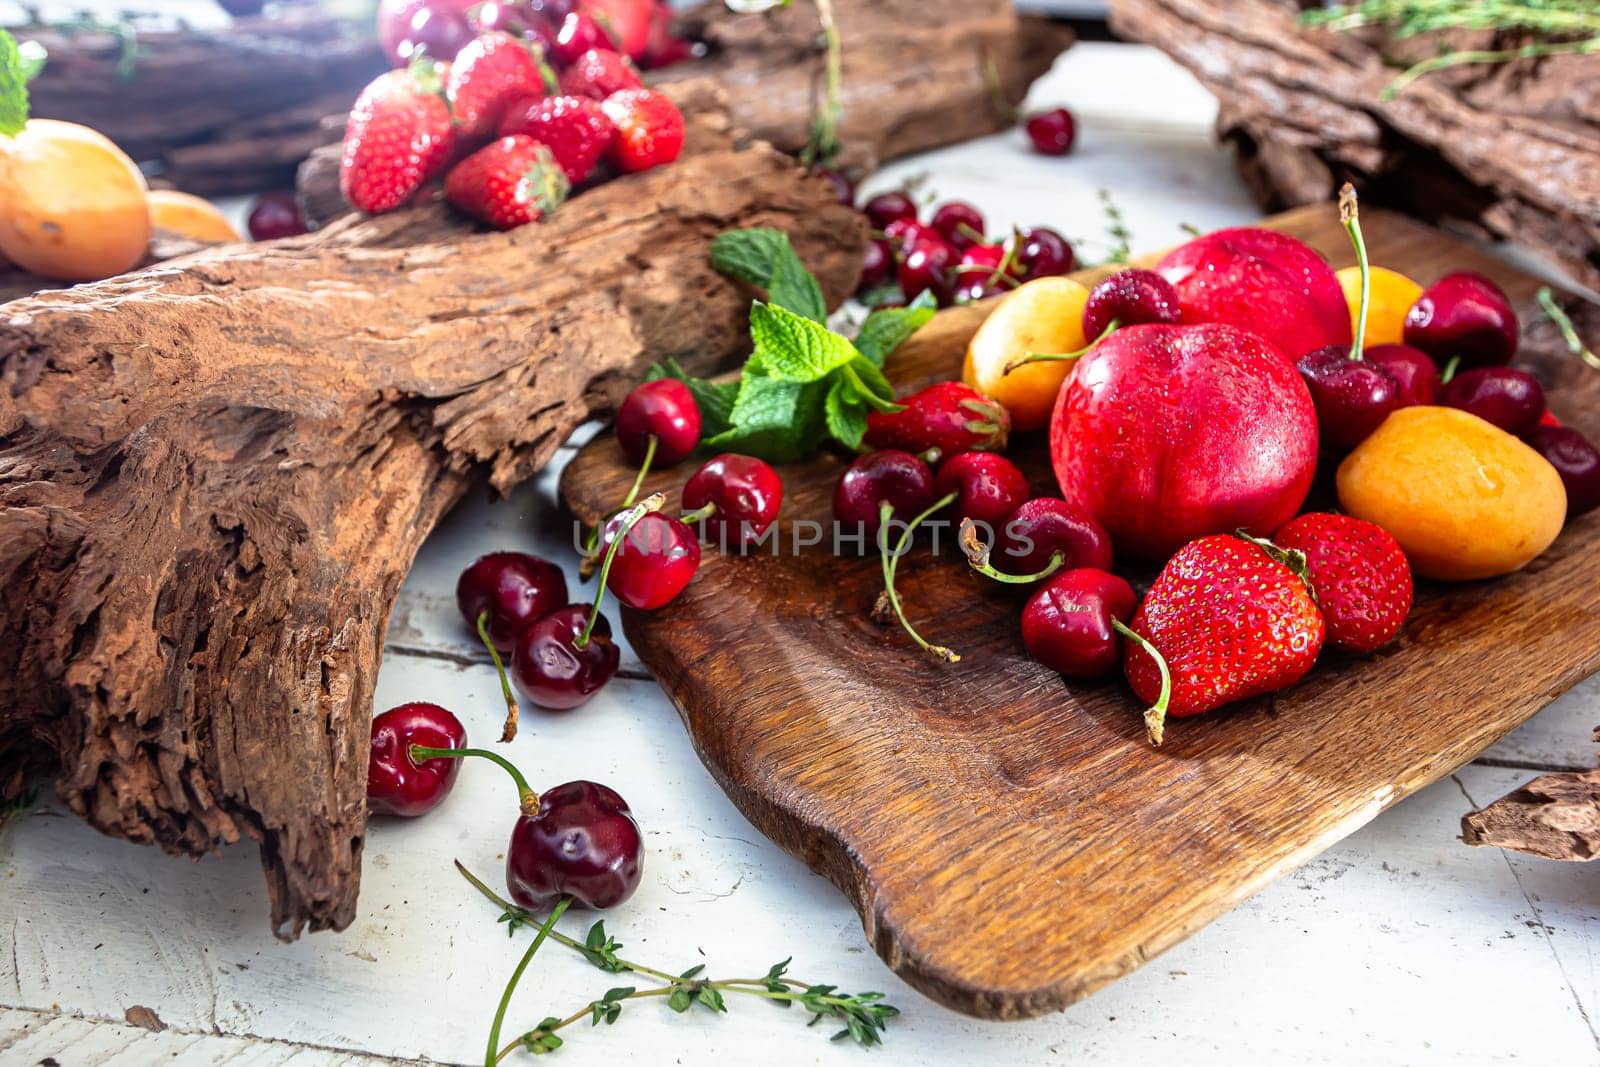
1556	817
214	475
918	74
222	111
1513	150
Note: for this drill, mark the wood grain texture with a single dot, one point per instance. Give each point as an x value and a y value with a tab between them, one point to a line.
1010	841
214	475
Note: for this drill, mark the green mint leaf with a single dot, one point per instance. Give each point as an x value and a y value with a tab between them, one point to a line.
847	418
764	257
888	328
714	399
13	87
777	421
793	348
870	386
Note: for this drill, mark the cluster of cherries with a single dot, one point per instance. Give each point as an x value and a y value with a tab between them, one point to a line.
1465	324
441	28
940	455
949	255
576	841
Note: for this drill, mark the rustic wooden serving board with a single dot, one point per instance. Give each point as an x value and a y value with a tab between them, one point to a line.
1010	840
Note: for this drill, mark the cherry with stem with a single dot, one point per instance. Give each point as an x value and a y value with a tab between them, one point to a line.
508	731
978	557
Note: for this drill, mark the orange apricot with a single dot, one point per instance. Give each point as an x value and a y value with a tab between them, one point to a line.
188	216
1044	315
1392	296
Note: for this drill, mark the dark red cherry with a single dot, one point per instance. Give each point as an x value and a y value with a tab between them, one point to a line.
276	215
926	268
959	222
843	187
887	476
516	589
1510	399
435	32
517	19
577	34
1413	370
876	263
1040	528
1042	253
658	556
885	208
978	274
1130	298
582	843
552	670
744	494
399	785
1577	461
988	487
1352	396
1052	132
663	409
1467	315
901	234
1067	622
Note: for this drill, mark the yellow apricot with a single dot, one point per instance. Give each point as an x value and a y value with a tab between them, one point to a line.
71	203
1464	498
1044	315
1392	296
188	216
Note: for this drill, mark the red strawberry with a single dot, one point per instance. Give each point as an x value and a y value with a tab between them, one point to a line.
1231	622
649	129
489	74
575	130
509	183
398	137
951	417
1359	575
578	34
598	74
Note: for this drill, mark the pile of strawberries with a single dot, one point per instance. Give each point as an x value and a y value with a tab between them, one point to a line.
513	121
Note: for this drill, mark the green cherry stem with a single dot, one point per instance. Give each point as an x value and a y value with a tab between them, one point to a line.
978	556
1155	716
698	515
1569	333
509	730
1350	218
1449	371
527	799
493	1055
638	511
891	562
644	469
1060	357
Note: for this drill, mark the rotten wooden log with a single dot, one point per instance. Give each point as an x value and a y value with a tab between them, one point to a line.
1511	151
216	112
918	74
214	475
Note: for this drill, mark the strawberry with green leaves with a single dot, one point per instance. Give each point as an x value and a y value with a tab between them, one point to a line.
398	137
1359	575
491	73
509	183
650	129
1232	619
947	417
574	128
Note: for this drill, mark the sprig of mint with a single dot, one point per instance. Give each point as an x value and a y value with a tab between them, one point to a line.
14	75
803	384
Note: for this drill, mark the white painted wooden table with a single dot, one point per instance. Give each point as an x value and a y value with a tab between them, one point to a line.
1399	945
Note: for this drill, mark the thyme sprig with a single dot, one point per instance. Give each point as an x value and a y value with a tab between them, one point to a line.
1564	27
862	1016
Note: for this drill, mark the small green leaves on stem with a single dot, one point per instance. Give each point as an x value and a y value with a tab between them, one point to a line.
601	950
1569	333
1116	227
493	1055
13	87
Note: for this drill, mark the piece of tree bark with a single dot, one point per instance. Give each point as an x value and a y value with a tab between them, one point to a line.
214	475
1512	150
918	74
1556	817
217	111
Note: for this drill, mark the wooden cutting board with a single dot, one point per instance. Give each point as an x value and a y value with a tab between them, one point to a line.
1010	840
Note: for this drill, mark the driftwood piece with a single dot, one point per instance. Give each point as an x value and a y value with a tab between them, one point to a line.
1512	150
918	74
220	111
214	475
1555	817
